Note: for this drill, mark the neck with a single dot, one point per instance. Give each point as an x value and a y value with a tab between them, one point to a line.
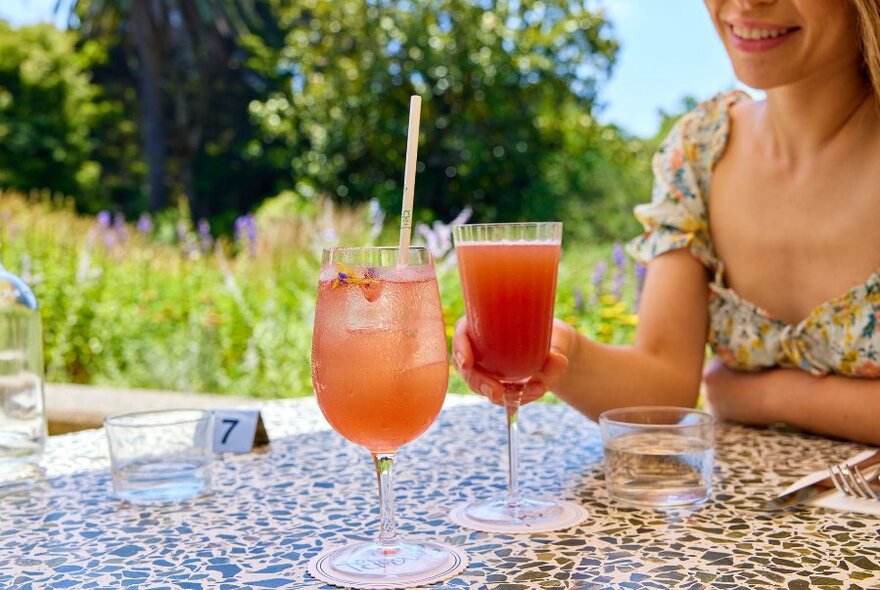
803	118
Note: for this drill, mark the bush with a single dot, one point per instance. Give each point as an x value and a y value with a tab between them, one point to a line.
48	109
123	307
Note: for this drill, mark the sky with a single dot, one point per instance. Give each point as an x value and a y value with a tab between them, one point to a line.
669	50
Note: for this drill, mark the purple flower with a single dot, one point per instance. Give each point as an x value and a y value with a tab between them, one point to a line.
641	273
205	238
599	272
251	229
618	256
579	300
432	241
119	227
617	285
145	223
245	230
438	237
238	229
104	218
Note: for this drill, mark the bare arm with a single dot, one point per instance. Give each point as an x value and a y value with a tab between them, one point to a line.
841	407
663	367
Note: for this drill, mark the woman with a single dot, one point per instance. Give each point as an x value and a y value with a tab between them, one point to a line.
765	214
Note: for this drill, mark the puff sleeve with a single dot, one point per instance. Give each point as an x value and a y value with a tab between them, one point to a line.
677	215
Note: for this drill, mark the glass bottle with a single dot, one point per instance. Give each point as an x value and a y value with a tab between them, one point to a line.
22	410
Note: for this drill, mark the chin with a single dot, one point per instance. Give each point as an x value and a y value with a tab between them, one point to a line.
761	80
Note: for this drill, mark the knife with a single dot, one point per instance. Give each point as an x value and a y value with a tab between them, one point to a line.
809	491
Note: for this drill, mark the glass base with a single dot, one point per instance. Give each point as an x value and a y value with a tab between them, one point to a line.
501	512
533	516
659	497
369	565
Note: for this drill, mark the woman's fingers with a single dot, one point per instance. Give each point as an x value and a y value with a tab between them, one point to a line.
462	353
554	367
534	390
485	385
463	357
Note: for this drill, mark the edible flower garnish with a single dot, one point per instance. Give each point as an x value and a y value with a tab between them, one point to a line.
349	276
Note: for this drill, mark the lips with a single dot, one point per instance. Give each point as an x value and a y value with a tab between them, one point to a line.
756	37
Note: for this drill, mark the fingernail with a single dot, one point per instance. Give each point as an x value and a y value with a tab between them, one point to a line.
534	390
459	359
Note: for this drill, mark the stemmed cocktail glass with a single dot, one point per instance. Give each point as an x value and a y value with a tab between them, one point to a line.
508	274
380	371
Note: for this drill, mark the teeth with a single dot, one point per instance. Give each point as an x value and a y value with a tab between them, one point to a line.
757	34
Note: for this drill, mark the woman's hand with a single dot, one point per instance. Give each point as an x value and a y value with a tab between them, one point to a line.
830	405
561	342
738	396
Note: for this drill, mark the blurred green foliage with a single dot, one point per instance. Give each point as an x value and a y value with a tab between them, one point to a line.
508	90
48	107
188	69
297	112
260	97
122	308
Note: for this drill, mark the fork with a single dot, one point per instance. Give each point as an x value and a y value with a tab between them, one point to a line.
850	481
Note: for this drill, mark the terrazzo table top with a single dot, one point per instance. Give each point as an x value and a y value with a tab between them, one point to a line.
274	509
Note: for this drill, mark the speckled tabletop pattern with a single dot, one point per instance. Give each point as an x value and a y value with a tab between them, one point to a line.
274	509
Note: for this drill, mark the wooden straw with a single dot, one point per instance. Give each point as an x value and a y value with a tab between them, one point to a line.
409	178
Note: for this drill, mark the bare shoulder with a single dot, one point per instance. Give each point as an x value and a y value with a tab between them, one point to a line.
744	116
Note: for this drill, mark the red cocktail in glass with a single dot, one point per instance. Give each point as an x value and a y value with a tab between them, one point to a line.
508	274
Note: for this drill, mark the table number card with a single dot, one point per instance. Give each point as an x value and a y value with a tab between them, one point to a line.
238	431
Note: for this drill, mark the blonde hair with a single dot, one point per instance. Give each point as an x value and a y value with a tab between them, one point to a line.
869	38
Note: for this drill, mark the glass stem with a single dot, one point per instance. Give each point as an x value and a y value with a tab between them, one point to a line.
387	540
512	398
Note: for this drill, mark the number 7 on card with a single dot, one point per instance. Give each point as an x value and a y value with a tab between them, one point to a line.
238	431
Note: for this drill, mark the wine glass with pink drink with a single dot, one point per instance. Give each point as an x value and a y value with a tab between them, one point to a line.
508	274
380	371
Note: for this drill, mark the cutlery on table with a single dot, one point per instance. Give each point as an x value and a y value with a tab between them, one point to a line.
811	490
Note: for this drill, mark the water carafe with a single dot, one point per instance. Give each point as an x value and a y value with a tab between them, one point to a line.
22	413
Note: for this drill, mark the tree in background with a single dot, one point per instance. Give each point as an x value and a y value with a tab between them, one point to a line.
191	61
252	98
501	81
48	106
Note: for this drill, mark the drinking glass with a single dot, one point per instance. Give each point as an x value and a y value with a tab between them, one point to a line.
160	455
658	456
508	275
380	371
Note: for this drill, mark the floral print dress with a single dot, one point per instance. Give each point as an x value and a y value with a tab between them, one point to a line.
839	336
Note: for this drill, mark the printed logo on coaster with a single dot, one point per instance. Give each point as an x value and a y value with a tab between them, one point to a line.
571	514
321	568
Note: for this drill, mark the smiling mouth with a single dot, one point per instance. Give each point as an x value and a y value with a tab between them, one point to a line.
759	34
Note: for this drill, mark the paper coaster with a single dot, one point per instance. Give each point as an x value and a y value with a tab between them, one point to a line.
570	515
319	567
